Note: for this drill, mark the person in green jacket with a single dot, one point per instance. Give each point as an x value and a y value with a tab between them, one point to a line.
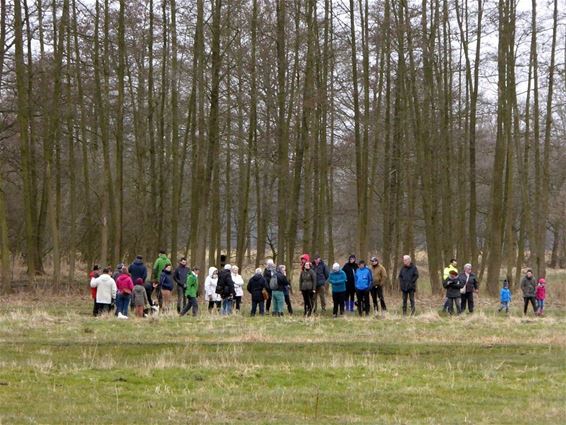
160	263
191	292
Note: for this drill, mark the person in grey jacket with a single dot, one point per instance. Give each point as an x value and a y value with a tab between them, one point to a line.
529	288
307	283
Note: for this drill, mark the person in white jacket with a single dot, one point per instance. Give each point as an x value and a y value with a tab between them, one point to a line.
210	294
238	286
105	291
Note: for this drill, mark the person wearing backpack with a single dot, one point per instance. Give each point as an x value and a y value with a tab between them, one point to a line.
225	288
267	273
277	284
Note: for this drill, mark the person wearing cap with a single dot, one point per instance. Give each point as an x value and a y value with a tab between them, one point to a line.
408	276
453	284
350	269
322	272
305	258
337	279
379	276
307	283
540	295
470	286
364	282
529	288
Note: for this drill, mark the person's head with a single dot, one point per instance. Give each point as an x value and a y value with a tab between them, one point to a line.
506	283
196	270
139	258
361	264
106	270
352	259
542	281
468	268
317	259
335	267
453	262
214	272
139	281
308	265
453	274
406	260
529	273
374	261
258	271
270	264
95	268
183	261
235	269
305	258
124	270
167	268
120	267
228	267
162	252
282	269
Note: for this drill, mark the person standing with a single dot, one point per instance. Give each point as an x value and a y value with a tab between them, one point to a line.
138	270
505	297
180	277
379	275
160	263
139	298
540	295
238	286
191	292
470	286
277	284
408	276
364	282
529	288
452	266
105	291
95	272
267	273
125	286
225	288
210	294
453	285
350	269
257	287
287	290
337	279
166	286
322	272
307	283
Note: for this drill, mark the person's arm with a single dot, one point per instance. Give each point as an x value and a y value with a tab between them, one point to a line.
94	282
415	275
144	274
114	289
176	276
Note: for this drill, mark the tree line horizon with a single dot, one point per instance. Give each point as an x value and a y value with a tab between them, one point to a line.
269	128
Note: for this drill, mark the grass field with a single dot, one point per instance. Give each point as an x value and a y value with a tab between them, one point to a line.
60	366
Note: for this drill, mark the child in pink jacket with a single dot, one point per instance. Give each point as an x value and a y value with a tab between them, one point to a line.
540	296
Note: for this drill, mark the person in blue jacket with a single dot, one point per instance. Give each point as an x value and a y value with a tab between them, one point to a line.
364	282
337	279
505	297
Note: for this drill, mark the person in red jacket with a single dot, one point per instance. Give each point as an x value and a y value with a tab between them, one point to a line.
94	273
540	295
125	286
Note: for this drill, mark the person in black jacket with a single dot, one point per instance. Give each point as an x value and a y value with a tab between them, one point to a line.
350	269
256	287
471	285
225	287
408	276
453	284
269	270
322	273
180	277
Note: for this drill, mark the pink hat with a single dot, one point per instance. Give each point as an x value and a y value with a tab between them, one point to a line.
541	280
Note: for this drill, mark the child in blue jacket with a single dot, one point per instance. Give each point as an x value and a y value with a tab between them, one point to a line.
505	296
364	282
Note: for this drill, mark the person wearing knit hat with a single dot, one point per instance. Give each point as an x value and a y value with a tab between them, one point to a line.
350	269
337	279
540	295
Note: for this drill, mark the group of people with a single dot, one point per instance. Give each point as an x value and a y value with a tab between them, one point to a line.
355	286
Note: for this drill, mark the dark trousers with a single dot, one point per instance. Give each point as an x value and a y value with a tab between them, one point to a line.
468	298
268	301
238	302
377	293
363	301
211	305
308	300
411	296
528	300
255	305
338	300
350	292
94	308
103	308
182	301
451	302
288	302
192	302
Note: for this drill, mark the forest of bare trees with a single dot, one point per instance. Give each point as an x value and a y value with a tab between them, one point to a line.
258	128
